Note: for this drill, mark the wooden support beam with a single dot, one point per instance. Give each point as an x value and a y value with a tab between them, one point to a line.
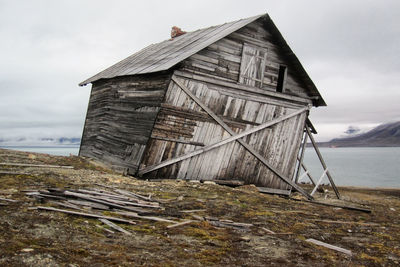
300	161
323	163
308	173
319	181
232	138
309	124
303	175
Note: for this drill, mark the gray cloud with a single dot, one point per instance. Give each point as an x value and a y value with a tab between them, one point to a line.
349	48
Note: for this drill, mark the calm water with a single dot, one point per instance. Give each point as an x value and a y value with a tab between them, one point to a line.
365	166
60	151
369	167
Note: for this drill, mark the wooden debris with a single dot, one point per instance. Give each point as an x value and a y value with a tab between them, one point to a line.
34	165
89	204
268	231
197	217
320	243
230	224
229	182
151	218
367	210
67	205
101	201
114	226
105	229
130	194
273	191
345	222
190	211
85	214
179	224
8	200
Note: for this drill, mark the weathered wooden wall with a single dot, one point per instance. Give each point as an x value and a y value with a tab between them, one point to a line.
137	121
213	76
222	59
181	118
120	118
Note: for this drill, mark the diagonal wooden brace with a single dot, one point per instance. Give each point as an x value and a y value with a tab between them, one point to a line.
230	139
323	163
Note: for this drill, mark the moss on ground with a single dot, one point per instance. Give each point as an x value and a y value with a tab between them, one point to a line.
76	240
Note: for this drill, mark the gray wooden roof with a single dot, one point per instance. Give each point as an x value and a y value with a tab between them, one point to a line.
166	54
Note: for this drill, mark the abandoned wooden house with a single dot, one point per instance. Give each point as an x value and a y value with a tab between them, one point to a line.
229	102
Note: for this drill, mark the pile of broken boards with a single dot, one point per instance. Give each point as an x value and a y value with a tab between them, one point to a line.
123	204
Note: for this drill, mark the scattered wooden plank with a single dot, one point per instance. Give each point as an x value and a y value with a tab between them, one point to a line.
230	224
229	182
90	215
345	222
268	231
320	243
88	204
34	165
67	205
179	224
268	190
190	211
107	203
151	218
114	226
197	217
131	194
363	209
8	200
105	229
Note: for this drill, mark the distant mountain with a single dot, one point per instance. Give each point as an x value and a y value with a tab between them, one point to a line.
385	135
43	141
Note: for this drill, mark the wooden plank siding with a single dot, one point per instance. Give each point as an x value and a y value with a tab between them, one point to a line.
222	59
181	118
120	119
143	119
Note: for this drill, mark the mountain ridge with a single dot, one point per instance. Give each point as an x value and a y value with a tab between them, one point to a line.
384	135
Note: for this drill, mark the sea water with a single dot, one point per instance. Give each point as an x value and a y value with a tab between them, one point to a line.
349	166
52	150
357	166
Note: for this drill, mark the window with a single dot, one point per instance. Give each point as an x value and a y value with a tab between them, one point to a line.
252	67
280	87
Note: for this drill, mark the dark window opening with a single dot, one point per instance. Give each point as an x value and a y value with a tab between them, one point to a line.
280	87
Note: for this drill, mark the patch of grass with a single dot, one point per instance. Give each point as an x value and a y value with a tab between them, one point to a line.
376	260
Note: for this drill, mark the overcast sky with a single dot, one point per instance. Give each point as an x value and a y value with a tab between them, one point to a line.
350	49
